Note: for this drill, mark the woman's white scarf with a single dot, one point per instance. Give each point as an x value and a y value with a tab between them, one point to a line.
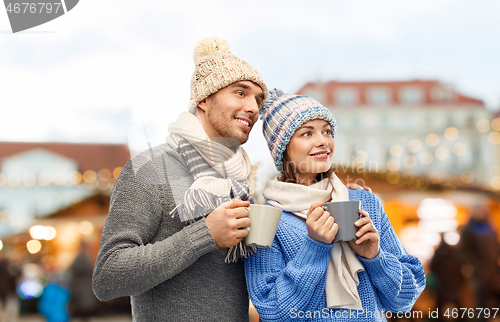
220	174
343	268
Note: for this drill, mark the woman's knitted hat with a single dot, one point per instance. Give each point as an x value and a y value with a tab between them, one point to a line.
217	68
283	114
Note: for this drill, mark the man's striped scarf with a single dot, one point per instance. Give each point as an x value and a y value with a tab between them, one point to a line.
219	173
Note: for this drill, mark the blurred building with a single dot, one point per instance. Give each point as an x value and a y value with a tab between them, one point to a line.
38	181
424	129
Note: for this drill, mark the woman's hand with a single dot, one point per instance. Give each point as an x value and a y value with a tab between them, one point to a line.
355	186
320	225
368	242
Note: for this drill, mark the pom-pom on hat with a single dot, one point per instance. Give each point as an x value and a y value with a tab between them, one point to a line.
282	114
216	67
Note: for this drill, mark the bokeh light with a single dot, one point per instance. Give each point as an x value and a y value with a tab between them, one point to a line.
393	177
442	153
89	176
495	183
43	232
451	133
397	150
30	289
38	232
467	176
85	227
459	149
14	180
494	138
104	175
410	161
44	179
33	246
116	172
495	124
414	145
430	238
425	158
393	165
432	139
451	238
51	233
29	179
59	178
75	177
483	125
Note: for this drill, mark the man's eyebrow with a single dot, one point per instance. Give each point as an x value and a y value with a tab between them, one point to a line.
245	86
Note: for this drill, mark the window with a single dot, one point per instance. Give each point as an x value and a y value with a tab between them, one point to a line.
316	94
442	94
346	96
355	123
378	96
384	122
411	95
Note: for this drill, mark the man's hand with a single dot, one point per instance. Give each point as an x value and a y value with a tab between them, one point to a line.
228	221
355	186
320	225
368	241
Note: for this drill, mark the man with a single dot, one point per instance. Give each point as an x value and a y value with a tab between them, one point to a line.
174	232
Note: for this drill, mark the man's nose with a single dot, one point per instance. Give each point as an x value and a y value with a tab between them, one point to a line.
252	107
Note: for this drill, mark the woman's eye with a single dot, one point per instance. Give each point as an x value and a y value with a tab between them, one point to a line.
239	93
305	134
328	132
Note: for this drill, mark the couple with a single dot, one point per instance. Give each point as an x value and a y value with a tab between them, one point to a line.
173	237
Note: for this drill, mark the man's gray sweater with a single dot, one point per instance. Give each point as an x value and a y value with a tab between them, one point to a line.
172	271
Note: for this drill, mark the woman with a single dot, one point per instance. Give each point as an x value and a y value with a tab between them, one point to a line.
304	276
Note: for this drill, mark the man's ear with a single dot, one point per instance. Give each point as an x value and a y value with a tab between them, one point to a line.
203	105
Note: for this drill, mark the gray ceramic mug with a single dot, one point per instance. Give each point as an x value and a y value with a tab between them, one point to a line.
345	213
263	226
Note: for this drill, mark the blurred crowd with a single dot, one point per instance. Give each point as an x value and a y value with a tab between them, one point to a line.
466	275
57	295
472	267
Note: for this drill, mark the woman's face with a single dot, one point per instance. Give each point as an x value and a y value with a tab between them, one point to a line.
311	148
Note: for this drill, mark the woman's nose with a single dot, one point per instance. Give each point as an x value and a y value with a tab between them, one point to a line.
321	140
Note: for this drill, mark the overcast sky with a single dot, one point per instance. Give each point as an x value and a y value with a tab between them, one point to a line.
96	73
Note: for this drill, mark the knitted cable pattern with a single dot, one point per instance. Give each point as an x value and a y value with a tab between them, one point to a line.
216	67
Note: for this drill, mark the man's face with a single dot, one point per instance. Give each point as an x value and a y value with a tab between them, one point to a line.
232	111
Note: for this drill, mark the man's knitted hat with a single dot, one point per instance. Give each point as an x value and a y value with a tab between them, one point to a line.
283	114
217	68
